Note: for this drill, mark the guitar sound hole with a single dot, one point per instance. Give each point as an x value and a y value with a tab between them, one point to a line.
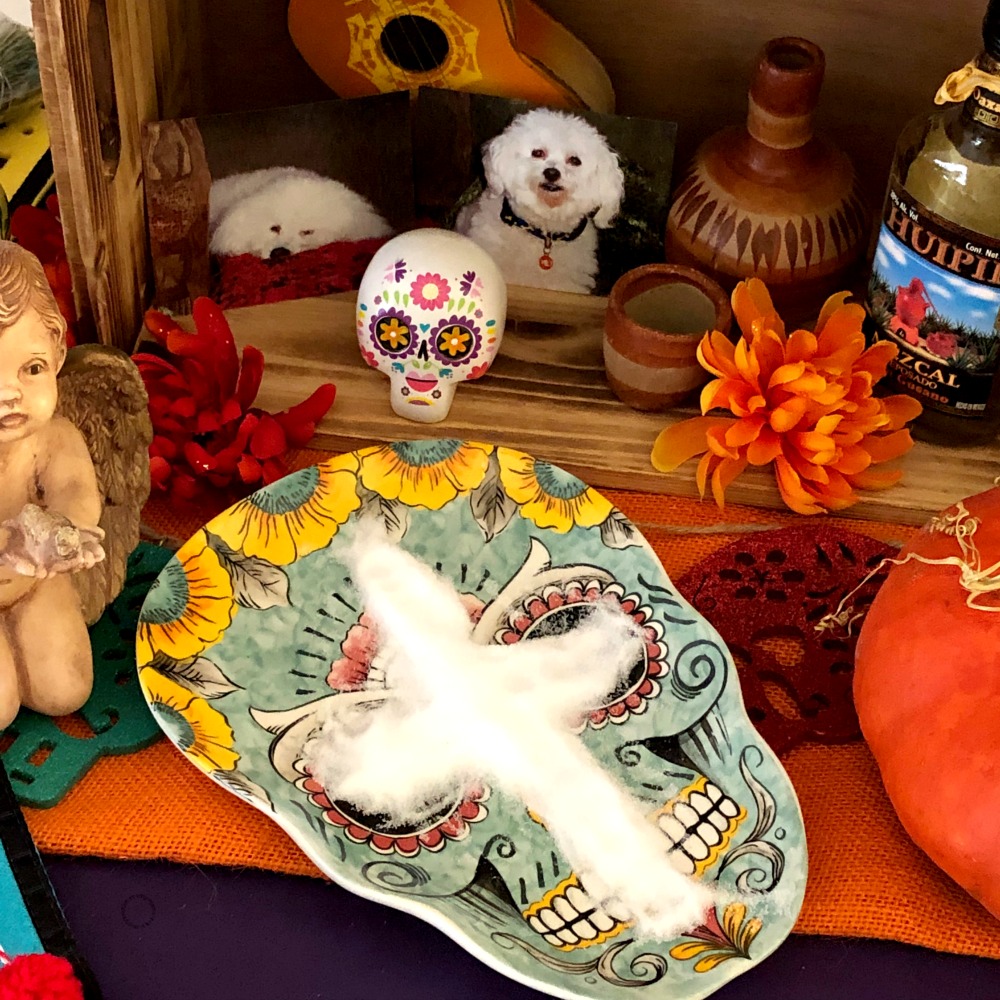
414	44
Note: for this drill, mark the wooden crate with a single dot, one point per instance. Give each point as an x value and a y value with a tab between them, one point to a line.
110	65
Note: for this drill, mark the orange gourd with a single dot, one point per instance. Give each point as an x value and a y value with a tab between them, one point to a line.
927	692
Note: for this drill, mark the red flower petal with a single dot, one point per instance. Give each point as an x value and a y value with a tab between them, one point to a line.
198	458
249	469
231	410
274	469
159	471
245	431
268	439
184	407
212	324
160	325
145	361
163	447
184	487
208	421
227	462
201	382
166	425
39	232
251	372
299	421
190	345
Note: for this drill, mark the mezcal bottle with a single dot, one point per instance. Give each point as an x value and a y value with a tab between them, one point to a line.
935	280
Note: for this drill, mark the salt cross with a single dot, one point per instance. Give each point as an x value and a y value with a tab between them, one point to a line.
459	712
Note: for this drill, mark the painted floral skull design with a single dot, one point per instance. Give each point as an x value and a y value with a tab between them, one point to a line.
431	312
259	635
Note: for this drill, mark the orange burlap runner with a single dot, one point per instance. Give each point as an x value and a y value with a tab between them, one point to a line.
866	878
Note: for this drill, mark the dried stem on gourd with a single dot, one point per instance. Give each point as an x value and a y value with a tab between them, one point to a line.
973	578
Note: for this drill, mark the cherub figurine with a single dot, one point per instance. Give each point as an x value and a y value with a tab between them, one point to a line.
74	474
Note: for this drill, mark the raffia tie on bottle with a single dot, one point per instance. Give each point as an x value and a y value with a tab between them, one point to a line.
973	578
960	84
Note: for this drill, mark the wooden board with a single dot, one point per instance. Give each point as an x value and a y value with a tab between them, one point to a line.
107	66
545	394
98	85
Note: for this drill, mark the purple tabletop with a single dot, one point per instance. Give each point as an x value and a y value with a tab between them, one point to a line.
157	931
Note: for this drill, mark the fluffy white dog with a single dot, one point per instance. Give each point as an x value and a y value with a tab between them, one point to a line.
283	210
552	182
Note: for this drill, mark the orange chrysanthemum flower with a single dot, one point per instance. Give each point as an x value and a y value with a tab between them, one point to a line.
802	402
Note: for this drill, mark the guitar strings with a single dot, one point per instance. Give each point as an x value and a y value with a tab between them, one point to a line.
437	72
427	51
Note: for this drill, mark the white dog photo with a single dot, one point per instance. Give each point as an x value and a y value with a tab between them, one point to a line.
552	181
279	211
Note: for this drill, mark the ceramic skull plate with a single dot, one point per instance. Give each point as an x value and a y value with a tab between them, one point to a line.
431	312
254	630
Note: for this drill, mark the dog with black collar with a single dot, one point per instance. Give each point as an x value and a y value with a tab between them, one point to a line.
552	181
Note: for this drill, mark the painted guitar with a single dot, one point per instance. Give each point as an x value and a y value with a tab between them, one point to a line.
507	47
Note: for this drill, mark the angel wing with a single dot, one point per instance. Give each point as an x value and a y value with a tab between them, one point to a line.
101	392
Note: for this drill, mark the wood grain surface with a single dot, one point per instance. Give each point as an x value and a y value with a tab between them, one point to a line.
545	394
178	183
99	74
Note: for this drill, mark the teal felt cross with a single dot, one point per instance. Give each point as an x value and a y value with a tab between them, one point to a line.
43	761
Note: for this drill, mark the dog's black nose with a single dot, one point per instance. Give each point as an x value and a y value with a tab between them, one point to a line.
279	253
551	174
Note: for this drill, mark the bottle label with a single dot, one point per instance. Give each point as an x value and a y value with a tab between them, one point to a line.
984	106
935	293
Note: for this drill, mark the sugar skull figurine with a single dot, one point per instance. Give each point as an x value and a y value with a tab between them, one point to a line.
431	311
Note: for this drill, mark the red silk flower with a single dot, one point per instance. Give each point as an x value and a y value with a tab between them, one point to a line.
207	435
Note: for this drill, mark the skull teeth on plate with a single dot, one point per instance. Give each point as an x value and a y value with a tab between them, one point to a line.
699	823
567	918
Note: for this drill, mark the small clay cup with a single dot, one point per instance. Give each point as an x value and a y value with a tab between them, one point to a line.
656	317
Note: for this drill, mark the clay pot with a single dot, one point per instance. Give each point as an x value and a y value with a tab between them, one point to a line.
656	317
770	199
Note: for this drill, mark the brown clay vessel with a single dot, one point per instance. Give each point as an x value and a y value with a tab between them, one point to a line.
656	317
769	198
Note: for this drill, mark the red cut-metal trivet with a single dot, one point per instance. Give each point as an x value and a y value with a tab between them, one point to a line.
766	594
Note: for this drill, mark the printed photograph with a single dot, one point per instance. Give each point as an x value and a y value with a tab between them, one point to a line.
280	204
561	200
945	317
